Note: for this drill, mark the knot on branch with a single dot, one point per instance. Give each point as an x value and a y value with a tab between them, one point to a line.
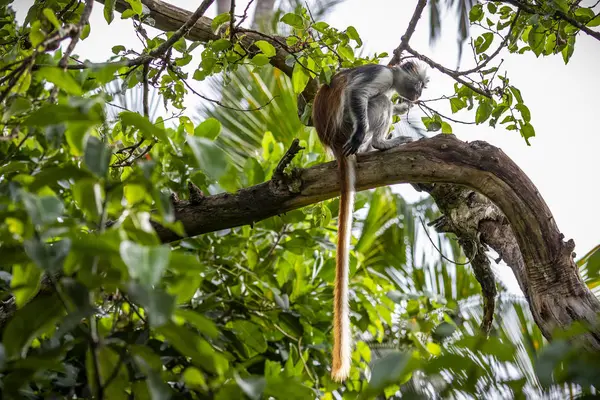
196	195
288	181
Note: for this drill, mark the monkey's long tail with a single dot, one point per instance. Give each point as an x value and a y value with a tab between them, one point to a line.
342	340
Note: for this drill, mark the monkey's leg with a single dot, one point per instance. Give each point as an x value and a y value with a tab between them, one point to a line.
380	118
358	109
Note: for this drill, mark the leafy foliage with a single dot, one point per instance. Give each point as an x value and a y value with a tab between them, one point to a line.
96	305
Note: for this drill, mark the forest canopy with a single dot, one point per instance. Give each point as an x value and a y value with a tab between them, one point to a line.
181	254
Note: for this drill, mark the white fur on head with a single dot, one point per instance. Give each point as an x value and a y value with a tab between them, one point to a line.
416	70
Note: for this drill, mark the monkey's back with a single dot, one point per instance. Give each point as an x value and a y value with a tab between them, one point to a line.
330	114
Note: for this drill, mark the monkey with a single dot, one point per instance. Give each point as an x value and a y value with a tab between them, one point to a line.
352	114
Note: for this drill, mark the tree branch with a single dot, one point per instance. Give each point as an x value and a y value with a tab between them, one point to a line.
557	13
542	262
409	32
456	75
167	17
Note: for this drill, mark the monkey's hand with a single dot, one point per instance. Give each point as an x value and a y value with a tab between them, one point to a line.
351	146
402	108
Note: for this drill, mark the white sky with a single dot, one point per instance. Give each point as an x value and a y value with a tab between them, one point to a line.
562	160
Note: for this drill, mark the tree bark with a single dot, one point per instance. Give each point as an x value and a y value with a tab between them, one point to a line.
521	228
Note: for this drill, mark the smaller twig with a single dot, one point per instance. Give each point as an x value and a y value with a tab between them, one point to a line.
115	371
495	53
217	102
232	22
65	9
437	249
409	32
287	158
245	14
451	73
331	49
146	90
183	30
423	105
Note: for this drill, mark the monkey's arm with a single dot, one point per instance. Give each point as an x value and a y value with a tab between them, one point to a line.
358	108
402	108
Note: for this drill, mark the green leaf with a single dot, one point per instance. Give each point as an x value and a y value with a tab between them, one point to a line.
129	118
42	210
48	256
567	52
293	20
517	93
483	42
594	22
200	322
446	128
191	345
61	78
136	6
88	196
476	13
210	157
353	34
194	379
28	322
259	60
109	10
346	52
25	283
145	263
221	44
457	104
53	114
267	48
483	112
300	78
210	128
387	370
250	334
97	156
219	20
252	387
119	48
158	304
536	40
321	26
527	132
49	14
525	113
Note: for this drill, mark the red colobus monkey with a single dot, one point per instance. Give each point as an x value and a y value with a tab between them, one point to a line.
351	114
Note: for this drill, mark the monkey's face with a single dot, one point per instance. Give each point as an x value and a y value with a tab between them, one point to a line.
413	91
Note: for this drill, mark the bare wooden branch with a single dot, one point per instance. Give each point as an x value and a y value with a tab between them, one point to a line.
450	72
412	25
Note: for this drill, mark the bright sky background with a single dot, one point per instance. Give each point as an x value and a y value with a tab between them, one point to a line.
564	158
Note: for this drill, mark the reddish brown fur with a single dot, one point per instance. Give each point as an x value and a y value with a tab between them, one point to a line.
326	107
333	133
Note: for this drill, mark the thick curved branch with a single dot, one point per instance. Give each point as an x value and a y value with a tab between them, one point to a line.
542	262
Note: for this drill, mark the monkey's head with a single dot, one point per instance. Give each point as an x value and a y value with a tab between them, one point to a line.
410	80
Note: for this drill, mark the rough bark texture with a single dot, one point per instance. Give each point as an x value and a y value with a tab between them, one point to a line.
521	228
